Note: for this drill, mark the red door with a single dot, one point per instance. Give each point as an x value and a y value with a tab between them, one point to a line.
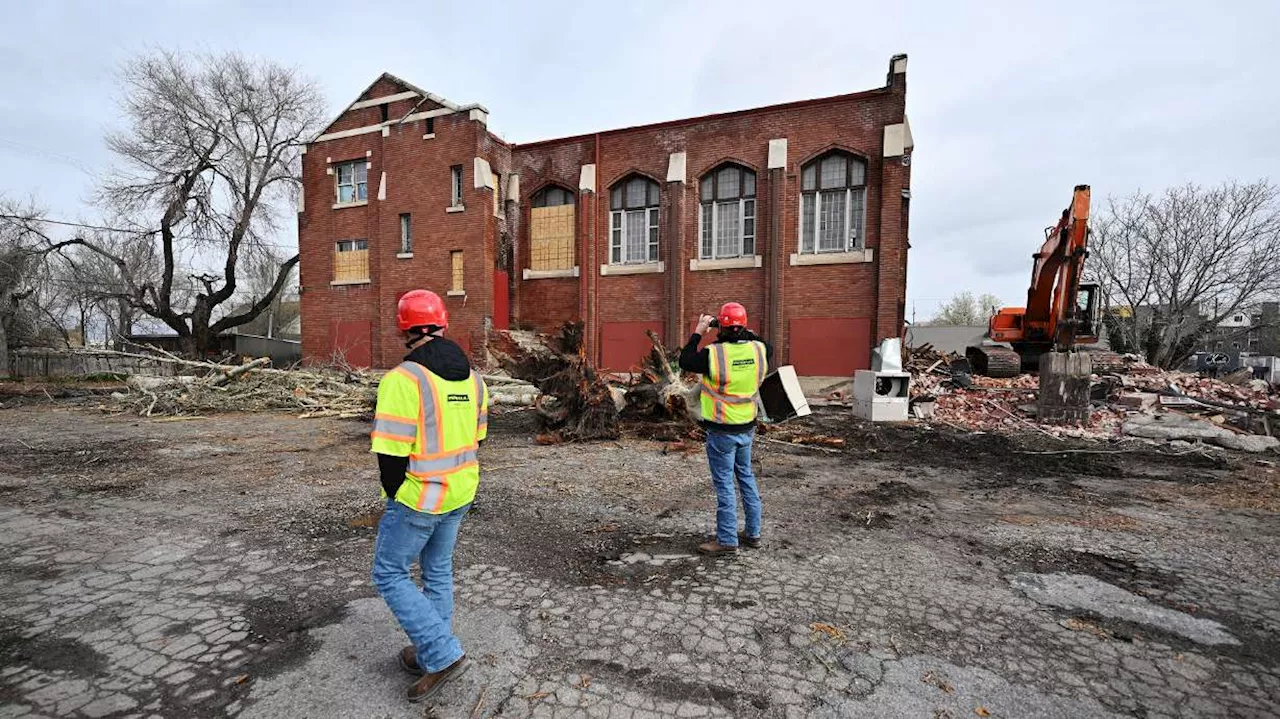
624	344
350	342
830	346
501	300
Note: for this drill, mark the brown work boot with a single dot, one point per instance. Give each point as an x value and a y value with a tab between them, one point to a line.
430	683
716	549
409	661
749	542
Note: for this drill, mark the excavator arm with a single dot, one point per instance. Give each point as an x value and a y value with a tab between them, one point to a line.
1060	311
1054	314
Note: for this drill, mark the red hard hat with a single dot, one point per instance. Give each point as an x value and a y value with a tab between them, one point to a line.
732	314
418	308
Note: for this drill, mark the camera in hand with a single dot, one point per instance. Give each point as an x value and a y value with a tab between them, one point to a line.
714	323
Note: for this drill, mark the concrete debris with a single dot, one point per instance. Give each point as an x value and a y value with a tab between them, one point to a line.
1255	443
1085	593
1138	400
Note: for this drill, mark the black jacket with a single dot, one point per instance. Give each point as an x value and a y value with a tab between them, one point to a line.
697	360
442	357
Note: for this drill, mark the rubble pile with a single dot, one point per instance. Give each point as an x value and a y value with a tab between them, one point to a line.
1130	397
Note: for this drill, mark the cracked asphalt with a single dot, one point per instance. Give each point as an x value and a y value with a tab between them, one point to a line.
219	567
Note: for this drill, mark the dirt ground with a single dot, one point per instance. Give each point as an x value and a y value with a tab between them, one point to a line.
219	566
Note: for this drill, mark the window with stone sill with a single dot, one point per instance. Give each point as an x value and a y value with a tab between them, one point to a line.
727	213
352	181
633	221
833	191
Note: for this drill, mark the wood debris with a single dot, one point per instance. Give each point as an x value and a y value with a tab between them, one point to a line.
251	387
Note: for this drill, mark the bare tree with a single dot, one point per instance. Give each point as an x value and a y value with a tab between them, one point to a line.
964	309
1173	265
33	307
259	277
210	157
102	285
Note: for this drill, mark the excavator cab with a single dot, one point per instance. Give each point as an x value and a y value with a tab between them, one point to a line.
1085	314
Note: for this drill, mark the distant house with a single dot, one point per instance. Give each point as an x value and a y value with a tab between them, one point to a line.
172	343
281	320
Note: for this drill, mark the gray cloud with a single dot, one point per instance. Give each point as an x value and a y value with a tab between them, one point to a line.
1012	103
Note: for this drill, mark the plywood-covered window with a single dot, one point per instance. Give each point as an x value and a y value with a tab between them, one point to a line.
351	261
551	230
455	264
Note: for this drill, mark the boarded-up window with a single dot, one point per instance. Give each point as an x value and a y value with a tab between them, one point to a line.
455	262
351	261
551	230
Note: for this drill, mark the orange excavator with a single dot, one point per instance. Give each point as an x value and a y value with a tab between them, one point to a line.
1061	312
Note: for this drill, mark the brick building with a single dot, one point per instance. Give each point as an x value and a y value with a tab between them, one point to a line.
799	211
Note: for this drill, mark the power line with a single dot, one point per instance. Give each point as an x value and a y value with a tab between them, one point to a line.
48	155
104	228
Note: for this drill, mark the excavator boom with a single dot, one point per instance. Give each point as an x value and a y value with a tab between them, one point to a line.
1060	311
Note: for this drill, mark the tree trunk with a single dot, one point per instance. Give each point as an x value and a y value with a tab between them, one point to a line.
7	310
124	323
4	349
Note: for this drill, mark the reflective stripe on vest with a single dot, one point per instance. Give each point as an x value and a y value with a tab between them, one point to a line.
399	429
728	395
482	422
433	466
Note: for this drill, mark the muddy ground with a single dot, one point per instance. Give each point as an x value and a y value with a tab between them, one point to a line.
219	566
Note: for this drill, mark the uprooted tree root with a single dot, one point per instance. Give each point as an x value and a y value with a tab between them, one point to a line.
577	403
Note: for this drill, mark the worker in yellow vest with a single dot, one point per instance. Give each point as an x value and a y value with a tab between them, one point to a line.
431	415
732	369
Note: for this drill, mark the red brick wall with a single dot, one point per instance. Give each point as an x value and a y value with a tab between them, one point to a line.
418	182
865	290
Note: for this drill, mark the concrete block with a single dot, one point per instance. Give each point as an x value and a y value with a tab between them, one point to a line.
1138	400
1064	387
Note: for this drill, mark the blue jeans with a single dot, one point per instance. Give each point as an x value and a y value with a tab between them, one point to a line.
405	535
730	455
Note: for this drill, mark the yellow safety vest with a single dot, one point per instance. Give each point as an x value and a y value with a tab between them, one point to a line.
729	388
438	425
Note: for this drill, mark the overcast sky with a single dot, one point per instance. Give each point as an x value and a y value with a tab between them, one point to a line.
1010	105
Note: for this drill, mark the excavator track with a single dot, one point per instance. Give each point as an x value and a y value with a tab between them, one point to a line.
994	361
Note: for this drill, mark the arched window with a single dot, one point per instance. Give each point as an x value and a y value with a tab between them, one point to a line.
633	221
551	230
552	196
832	201
728	213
